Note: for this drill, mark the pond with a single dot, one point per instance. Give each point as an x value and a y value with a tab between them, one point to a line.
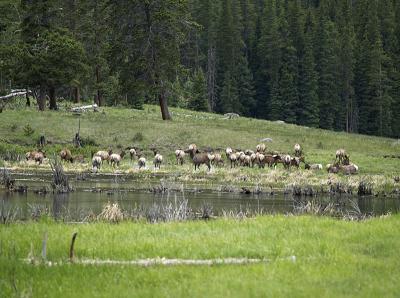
92	192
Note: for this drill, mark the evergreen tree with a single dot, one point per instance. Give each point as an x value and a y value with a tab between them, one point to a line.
205	13
147	36
233	73
396	75
10	49
269	63
95	41
229	97
337	62
347	117
275	105
53	57
245	87
308	113
198	98
288	81
248	20
374	97
327	62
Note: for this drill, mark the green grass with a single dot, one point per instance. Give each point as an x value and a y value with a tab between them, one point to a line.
333	258
122	127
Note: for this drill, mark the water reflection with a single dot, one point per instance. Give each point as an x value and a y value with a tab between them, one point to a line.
78	204
94	191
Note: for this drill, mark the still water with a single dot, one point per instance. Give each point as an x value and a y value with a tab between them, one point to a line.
92	192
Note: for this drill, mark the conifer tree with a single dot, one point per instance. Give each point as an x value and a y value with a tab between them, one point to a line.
347	118
308	113
198	97
269	63
288	80
327	62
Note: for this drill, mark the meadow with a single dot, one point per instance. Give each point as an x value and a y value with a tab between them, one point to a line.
305	256
119	127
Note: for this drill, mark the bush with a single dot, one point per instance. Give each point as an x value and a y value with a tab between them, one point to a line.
13	127
88	141
138	137
28	130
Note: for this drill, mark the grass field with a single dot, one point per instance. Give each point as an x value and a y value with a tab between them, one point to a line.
306	255
122	127
333	258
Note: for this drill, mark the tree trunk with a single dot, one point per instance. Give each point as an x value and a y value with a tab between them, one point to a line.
164	107
77	96
42	98
52	95
99	99
28	101
211	70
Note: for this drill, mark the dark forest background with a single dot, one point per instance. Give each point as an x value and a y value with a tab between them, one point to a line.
333	64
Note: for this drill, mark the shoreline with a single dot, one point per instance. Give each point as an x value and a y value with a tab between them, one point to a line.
296	183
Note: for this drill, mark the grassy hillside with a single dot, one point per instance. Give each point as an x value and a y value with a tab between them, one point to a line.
121	127
332	258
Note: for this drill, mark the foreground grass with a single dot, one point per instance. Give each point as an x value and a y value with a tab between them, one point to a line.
121	127
333	258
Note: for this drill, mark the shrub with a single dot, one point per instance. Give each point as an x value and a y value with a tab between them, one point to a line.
88	141
13	127
138	137
28	130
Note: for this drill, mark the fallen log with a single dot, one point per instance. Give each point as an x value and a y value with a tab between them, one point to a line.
85	108
13	94
231	116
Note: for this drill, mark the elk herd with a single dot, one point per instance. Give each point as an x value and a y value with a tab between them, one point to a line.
258	157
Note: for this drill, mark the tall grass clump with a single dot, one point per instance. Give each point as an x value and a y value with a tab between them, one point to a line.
7	215
60	182
179	210
111	213
315	207
6	179
364	188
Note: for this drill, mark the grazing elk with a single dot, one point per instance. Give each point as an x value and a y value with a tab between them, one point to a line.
342	157
158	158
39	156
295	161
272	160
332	168
116	158
96	163
132	153
261	148
297	150
314	166
349	169
286	160
218	159
180	155
66	155
228	152
233	158
104	155
142	162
